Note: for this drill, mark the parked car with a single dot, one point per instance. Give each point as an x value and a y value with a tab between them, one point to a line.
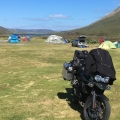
75	43
80	42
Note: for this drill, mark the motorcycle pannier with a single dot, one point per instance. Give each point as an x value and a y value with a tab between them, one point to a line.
67	71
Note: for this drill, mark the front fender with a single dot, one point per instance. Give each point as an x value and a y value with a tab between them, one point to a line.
102	97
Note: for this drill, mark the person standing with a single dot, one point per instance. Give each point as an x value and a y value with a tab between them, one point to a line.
101	40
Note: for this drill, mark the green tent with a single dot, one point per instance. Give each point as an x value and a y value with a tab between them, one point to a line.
107	45
117	44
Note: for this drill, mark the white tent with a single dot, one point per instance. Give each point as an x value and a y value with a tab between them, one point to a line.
55	39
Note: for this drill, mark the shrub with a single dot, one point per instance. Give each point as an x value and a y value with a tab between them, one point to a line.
93	41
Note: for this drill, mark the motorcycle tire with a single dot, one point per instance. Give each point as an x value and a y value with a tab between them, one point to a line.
102	111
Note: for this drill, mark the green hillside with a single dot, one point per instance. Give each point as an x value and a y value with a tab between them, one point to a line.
108	27
4	31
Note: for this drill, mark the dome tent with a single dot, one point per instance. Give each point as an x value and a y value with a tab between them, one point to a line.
55	39
117	44
107	45
14	38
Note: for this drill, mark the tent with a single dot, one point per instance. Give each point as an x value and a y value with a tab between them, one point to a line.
56	39
14	38
25	39
107	45
117	44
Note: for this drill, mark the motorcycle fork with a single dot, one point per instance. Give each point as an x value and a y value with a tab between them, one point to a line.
94	100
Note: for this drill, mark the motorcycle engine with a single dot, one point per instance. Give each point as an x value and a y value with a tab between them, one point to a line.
74	83
76	88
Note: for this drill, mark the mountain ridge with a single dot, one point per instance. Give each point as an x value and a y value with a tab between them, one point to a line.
4	31
108	26
31	31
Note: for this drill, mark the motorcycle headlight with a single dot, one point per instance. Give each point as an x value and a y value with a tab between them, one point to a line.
68	66
98	78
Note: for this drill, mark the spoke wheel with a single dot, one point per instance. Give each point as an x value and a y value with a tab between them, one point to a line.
100	112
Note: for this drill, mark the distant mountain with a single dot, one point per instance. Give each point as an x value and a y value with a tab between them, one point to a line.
31	31
4	31
108	26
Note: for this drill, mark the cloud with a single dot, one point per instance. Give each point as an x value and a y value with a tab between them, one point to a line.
55	27
99	9
107	14
58	16
50	17
37	19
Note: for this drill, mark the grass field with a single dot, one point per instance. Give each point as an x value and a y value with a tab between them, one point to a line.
31	84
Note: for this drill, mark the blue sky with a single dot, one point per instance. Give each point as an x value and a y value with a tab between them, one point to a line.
53	14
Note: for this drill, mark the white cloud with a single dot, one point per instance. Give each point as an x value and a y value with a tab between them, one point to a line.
37	19
107	14
99	9
58	16
50	17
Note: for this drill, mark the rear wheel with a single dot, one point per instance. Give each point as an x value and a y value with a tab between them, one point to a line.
101	112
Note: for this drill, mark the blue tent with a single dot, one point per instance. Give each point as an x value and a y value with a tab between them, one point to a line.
14	38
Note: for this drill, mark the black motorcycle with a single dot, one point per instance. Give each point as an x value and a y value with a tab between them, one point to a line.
88	90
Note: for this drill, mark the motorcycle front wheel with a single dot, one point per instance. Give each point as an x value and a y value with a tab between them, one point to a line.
100	112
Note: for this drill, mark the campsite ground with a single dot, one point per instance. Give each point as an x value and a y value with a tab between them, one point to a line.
31	84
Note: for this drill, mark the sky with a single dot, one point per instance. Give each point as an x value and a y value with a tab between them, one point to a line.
57	15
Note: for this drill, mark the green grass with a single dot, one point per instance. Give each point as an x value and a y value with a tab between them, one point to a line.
31	84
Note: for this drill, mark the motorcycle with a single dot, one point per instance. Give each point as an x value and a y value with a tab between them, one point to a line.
88	90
